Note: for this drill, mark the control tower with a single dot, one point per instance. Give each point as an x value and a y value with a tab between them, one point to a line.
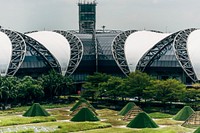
87	16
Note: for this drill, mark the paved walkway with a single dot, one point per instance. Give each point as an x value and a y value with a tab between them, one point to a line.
36	129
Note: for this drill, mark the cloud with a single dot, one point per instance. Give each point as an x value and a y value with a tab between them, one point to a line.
155	1
26	15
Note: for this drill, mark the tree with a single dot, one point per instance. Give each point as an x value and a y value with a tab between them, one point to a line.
30	89
166	90
91	85
136	83
191	96
114	87
55	84
8	89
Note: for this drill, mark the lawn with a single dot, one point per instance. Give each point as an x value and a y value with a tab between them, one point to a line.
18	120
173	129
58	122
160	115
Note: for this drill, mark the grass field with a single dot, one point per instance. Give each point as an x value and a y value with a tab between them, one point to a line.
13	121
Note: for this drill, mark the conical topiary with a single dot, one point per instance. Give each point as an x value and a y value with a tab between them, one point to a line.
83	105
36	110
142	120
85	115
184	113
82	100
197	130
134	111
193	119
127	108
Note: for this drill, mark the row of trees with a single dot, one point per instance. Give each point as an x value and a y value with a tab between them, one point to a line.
138	85
28	90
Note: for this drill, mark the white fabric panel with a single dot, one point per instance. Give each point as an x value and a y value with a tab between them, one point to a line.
5	53
193	46
57	44
138	43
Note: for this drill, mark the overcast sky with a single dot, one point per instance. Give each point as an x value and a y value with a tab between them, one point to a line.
162	15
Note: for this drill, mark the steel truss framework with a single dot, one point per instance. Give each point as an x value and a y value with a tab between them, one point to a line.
18	51
118	50
35	48
181	52
156	52
76	50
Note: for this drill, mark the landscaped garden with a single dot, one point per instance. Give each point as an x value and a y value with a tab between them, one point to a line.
157	108
59	121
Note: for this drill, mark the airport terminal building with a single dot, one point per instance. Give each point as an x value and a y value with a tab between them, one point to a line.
81	53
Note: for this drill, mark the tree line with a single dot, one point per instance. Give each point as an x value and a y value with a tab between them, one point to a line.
28	90
48	88
140	86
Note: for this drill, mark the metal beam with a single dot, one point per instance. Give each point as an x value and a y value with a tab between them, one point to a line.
118	50
18	51
156	52
76	50
181	52
38	49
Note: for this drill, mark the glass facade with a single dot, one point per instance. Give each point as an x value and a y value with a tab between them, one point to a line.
106	62
167	66
96	60
88	62
33	65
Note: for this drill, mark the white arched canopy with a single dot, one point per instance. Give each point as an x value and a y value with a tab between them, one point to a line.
193	46
57	44
5	53
138	43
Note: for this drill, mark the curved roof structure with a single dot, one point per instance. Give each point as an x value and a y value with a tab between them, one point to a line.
57	44
193	51
115	52
37	53
18	51
119	53
118	50
5	53
181	52
77	49
138	43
